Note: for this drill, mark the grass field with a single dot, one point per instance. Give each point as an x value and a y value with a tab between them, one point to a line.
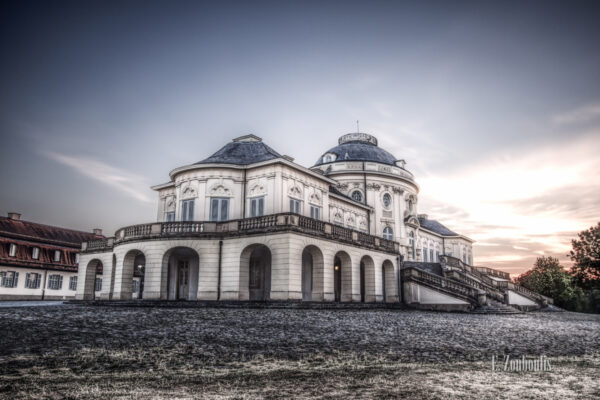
100	353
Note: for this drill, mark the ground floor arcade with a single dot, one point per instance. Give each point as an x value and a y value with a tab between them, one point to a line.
281	266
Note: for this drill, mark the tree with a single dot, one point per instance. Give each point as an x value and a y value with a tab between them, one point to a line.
549	278
586	257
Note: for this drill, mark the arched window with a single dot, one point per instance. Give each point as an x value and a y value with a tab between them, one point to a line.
388	233
357	196
411	241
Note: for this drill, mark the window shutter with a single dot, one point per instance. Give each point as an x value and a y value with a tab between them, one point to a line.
16	280
60	279
3	276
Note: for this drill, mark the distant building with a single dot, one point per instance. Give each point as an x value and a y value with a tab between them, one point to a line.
247	223
40	261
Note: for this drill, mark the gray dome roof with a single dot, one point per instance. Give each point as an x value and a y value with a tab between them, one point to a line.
244	150
359	147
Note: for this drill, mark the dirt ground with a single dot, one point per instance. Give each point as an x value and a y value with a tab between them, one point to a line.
86	352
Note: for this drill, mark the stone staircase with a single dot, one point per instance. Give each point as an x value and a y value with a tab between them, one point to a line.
495	307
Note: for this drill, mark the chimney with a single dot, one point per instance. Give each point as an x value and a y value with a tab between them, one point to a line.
97	231
14	215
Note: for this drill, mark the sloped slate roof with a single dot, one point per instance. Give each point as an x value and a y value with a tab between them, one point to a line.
242	153
44	233
435	226
360	151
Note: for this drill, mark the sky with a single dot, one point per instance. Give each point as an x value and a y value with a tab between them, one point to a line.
495	106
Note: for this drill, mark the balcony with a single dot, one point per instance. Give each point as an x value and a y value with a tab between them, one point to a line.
286	222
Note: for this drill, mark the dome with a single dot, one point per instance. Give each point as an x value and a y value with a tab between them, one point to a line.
244	150
357	147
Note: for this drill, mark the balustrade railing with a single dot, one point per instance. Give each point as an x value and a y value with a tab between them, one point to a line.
417	275
181	227
274	222
137	230
311	223
263	222
341	232
97	244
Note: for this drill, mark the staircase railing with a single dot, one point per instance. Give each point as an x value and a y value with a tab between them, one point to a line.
449	286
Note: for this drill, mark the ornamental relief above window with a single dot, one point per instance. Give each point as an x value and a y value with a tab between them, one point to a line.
188	192
220	190
170	204
257	189
295	191
315	198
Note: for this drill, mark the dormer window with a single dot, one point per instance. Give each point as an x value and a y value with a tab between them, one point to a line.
357	196
35	253
12	251
329	157
56	256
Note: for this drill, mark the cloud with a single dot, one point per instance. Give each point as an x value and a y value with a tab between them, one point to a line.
125	182
521	203
580	115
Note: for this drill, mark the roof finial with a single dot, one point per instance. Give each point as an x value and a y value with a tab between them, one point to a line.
357	127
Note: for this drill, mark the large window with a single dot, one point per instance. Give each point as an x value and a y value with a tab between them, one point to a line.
170	217
431	255
388	233
295	206
55	282
12	251
257	207
187	210
98	284
35	253
9	279
315	212
219	209
73	283
32	280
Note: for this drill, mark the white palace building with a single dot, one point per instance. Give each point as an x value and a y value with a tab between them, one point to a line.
247	223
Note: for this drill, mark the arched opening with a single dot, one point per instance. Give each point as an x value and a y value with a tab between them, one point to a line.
113	269
307	275
367	279
342	277
180	274
255	273
93	268
134	265
312	274
389	282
